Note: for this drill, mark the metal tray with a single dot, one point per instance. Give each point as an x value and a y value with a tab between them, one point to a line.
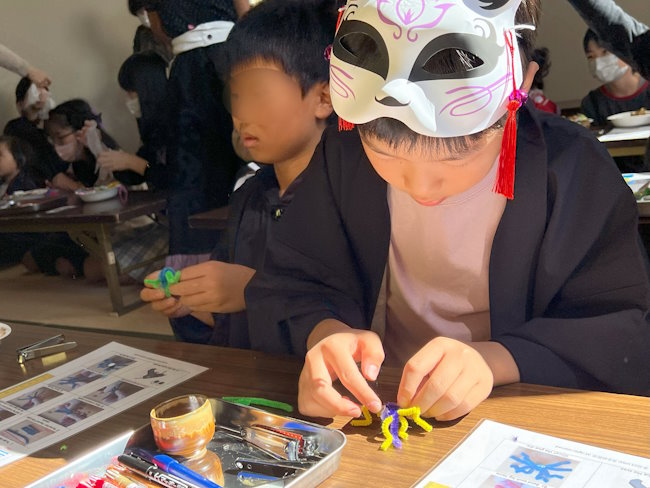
331	443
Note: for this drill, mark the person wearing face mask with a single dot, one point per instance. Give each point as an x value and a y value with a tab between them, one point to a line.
622	88
143	78
34	103
620	33
71	126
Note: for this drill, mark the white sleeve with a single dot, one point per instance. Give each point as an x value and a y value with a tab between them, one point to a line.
11	61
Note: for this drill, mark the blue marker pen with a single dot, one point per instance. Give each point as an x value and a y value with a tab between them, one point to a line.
173	467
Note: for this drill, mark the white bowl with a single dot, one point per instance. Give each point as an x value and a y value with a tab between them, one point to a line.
97	194
626	119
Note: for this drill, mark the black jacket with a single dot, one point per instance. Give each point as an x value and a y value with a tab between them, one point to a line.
569	289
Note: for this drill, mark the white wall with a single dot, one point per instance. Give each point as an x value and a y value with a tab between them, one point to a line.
81	45
562	30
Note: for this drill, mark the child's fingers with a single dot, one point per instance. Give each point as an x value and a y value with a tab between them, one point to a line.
194	271
317	397
187	287
151	294
439	383
372	355
166	305
415	370
348	373
465	394
153	276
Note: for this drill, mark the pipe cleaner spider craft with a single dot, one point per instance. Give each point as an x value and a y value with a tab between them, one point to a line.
167	277
394	423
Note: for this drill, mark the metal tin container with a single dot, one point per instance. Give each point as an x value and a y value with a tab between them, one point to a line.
230	446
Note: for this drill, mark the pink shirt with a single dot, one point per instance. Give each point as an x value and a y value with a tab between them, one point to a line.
437	278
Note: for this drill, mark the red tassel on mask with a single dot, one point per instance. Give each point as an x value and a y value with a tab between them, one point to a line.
344	125
505	183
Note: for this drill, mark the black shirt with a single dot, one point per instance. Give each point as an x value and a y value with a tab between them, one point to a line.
600	104
46	162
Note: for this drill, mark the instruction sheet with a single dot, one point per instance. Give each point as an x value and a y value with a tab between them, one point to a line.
495	455
48	408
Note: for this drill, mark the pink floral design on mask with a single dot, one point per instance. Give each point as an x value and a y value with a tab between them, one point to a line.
339	86
409	13
476	93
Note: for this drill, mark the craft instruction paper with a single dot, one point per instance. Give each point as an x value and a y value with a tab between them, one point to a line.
495	455
48	408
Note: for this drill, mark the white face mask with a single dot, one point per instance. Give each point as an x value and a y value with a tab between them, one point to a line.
606	68
69	152
143	17
396	81
133	106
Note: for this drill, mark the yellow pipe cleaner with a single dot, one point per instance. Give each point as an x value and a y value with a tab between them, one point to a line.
414	414
386	431
366	421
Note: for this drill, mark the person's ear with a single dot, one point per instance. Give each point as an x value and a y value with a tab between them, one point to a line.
324	102
531	71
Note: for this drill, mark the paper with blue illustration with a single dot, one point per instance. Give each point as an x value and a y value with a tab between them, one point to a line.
495	455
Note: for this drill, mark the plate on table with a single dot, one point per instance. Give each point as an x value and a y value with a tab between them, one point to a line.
633	118
30	194
98	193
5	330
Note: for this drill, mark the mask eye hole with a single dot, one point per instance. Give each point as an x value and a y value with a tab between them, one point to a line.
452	61
360	45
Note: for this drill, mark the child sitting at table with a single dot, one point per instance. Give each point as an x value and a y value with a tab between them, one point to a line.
15	156
34	103
70	127
412	227
622	89
278	80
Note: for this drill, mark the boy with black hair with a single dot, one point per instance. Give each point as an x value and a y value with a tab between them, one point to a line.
277	73
394	230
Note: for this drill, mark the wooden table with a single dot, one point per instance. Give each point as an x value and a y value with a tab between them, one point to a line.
90	225
617	422
216	219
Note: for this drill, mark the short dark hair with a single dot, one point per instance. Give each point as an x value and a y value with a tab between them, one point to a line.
20	150
590	35
397	135
292	33
145	74
136	5
22	88
74	114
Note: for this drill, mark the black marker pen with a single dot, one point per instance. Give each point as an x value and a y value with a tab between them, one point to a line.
153	472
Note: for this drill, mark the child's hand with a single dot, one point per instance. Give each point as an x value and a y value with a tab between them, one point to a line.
170	307
213	286
336	356
446	379
39	78
121	161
